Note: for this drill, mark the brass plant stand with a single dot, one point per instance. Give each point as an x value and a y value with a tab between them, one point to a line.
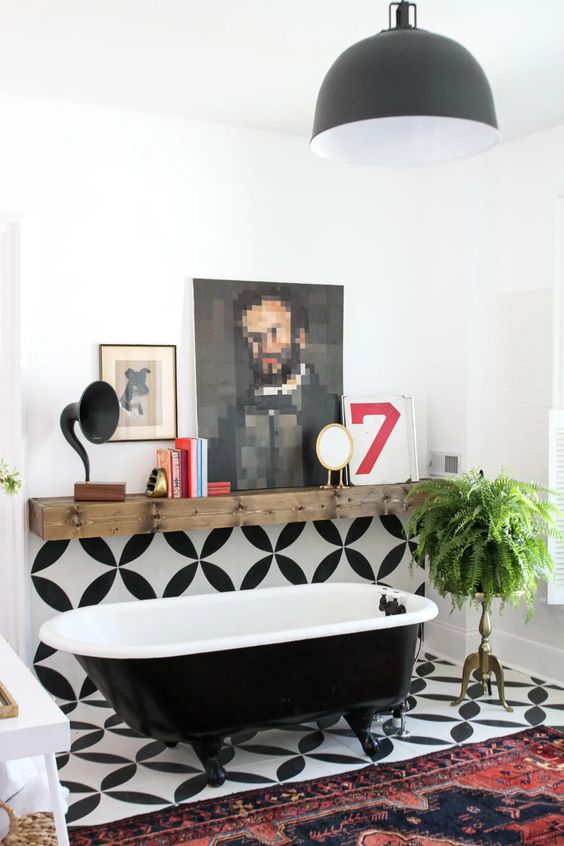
484	660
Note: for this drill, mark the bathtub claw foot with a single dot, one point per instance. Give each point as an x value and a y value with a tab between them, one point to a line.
215	772
370	745
208	752
361	722
170	743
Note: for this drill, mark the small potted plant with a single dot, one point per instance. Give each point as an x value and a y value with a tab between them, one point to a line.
9	479
483	538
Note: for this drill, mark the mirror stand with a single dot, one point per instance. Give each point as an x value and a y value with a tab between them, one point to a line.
328	486
334	450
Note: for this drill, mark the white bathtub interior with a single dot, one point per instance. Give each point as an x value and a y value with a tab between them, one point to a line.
210	622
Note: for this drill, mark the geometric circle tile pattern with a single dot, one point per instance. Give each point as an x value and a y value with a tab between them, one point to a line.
69	575
112	772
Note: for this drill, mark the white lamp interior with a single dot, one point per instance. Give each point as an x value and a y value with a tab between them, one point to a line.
405	139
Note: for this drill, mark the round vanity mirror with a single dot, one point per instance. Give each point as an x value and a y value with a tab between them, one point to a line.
334	449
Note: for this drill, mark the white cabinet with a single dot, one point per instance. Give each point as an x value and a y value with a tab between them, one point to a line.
40	729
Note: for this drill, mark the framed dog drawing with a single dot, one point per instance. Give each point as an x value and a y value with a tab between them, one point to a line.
144	379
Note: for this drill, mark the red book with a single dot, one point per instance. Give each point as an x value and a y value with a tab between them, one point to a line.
175	473
191	447
183	472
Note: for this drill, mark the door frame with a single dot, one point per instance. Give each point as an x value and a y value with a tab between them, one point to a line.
15	616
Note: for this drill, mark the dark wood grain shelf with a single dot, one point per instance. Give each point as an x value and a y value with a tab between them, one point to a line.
61	518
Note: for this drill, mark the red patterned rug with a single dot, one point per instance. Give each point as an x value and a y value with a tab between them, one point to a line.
505	791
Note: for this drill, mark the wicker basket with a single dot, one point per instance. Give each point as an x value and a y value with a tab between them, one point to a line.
29	829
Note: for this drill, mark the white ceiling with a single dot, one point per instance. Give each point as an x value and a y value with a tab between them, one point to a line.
259	63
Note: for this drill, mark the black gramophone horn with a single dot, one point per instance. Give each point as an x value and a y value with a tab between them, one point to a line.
97	412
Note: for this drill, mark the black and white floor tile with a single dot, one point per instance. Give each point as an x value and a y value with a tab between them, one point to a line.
113	773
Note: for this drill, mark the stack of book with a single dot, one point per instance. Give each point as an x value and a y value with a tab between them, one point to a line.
186	467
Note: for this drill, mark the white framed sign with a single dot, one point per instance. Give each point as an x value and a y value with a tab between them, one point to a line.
383	433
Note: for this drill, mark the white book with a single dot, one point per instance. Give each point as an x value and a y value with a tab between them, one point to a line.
204	466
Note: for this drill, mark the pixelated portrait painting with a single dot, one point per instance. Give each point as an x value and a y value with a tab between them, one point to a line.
269	377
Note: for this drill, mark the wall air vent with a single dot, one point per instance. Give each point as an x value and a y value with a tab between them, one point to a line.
446	463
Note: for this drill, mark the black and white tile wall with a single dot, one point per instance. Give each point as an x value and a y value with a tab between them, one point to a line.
72	574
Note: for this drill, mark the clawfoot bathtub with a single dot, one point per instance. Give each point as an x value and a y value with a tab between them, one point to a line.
199	668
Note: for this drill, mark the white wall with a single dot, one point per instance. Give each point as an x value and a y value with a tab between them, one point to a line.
511	239
531	177
120	209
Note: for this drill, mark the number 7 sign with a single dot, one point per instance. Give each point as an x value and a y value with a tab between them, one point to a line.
383	433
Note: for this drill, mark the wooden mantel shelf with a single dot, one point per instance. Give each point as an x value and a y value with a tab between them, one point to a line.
61	518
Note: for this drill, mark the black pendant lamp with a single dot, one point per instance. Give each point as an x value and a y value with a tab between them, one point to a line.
404	96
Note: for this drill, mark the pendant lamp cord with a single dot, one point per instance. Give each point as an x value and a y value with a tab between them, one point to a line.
402	15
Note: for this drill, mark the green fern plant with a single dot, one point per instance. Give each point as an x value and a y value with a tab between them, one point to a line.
483	535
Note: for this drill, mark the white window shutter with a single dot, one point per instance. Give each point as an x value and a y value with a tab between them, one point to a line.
556	483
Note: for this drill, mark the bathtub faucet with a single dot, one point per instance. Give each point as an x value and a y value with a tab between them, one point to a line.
391	605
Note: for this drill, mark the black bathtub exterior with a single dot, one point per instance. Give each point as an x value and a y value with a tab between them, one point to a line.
205	697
